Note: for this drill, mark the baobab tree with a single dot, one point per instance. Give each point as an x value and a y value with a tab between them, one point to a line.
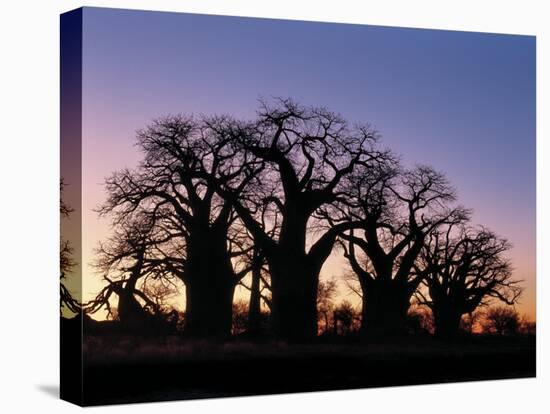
66	262
130	263
397	209
305	154
176	154
260	291
462	268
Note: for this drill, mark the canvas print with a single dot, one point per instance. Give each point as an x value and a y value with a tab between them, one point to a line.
258	206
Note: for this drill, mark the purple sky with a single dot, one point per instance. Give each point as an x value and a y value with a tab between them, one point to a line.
462	102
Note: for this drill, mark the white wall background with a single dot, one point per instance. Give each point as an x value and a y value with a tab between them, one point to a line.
29	157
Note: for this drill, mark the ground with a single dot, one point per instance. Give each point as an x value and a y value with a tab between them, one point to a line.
121	369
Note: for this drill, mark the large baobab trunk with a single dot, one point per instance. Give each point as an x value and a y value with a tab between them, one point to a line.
294	281
210	286
385	306
209	307
294	309
294	305
446	320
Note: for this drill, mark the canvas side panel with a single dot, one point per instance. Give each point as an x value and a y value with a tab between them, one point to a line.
71	382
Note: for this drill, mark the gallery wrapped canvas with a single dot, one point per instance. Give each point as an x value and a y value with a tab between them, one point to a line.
257	206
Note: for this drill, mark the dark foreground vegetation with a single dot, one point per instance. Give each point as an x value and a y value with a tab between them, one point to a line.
126	369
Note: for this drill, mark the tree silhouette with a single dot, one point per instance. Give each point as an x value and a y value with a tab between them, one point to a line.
527	326
254	308
501	320
240	322
222	198
305	153
325	296
462	268
177	152
129	262
260	292
345	318
397	210
66	262
260	285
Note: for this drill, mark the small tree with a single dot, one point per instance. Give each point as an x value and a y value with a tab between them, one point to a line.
346	319
501	320
325	306
527	326
260	291
240	317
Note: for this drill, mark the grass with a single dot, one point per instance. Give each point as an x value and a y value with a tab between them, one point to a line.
121	369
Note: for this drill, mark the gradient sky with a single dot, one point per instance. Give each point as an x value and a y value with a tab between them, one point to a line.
462	102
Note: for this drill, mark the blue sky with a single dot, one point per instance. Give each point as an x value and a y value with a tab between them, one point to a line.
461	102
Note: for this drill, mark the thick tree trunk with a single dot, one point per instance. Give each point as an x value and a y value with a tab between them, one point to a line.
447	321
294	280
384	312
294	290
209	308
210	286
